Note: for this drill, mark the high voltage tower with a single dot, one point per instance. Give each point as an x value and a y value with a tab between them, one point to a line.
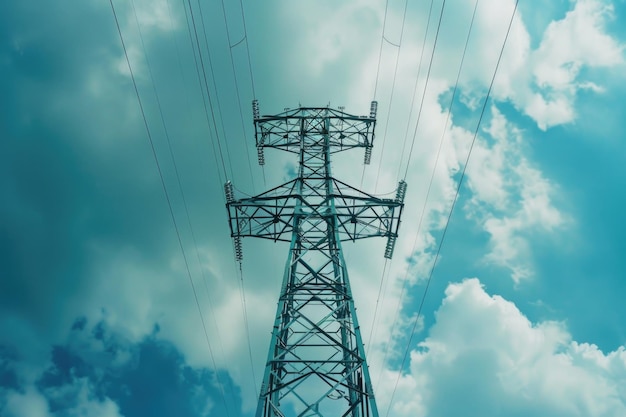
316	362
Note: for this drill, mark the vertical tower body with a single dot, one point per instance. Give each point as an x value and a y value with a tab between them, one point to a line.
316	362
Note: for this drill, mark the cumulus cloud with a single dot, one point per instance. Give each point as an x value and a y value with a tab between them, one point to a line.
541	73
93	217
484	357
30	403
100	372
545	81
511	199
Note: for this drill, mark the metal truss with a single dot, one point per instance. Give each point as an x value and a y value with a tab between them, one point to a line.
316	362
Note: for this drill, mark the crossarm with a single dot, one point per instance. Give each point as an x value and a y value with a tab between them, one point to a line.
344	131
356	215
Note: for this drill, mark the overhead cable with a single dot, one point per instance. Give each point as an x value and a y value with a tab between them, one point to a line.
456	196
206	85
430	65
393	86
169	203
243	126
419	70
245	36
380	51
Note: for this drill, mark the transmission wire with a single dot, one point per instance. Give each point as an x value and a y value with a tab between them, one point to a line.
382	278
247	325
176	171
245	36
393	86
217	95
214	138
419	70
242	288
419	67
380	289
169	204
482	112
432	176
380	52
206	85
430	65
208	295
232	63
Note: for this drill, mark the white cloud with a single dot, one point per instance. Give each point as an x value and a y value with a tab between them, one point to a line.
155	15
483	352
578	39
541	82
512	199
27	403
324	41
544	84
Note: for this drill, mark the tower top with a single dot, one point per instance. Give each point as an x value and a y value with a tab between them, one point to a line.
285	130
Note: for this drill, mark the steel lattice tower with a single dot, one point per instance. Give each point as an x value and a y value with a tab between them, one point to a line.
316	362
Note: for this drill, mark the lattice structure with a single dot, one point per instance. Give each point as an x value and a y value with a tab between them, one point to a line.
316	362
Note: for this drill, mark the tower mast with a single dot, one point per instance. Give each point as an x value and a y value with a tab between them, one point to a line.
316	362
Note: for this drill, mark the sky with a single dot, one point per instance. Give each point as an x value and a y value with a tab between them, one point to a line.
119	290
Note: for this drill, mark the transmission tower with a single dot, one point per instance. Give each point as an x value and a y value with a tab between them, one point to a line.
316	362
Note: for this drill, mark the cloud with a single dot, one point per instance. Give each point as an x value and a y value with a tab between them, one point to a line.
511	199
98	371
542	81
86	226
27	403
487	356
544	84
79	399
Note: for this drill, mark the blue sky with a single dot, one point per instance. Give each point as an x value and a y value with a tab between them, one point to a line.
524	313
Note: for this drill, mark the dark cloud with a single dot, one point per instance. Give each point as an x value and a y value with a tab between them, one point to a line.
8	376
81	203
150	377
77	177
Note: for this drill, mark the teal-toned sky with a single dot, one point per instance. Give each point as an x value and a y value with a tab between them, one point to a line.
524	314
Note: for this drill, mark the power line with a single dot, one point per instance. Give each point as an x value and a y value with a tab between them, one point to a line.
177	174
432	176
430	65
419	70
393	85
217	95
241	289
232	63
195	30
380	52
169	204
419	67
456	196
380	290
208	295
398	46
206	84
245	36
413	142
246	324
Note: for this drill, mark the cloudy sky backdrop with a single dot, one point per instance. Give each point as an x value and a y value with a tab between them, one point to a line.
103	314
